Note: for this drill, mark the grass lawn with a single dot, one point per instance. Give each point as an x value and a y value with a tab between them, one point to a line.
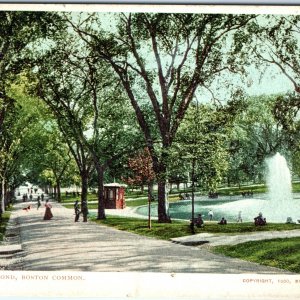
255	188
279	253
140	226
167	231
5	218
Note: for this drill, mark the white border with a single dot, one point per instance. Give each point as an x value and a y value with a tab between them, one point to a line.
226	9
155	285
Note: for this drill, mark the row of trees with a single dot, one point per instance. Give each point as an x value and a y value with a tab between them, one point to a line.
82	92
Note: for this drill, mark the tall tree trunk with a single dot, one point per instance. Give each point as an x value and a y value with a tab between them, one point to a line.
3	194
100	179
58	197
6	194
12	193
84	193
54	192
160	171
150	190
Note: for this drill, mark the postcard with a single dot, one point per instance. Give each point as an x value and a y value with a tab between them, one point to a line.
149	151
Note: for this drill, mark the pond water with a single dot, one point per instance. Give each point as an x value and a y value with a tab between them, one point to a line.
229	209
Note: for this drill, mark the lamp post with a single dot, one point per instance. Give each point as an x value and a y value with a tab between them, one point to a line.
193	195
167	190
149	209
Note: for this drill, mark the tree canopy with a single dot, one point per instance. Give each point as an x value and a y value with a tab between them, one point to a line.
83	94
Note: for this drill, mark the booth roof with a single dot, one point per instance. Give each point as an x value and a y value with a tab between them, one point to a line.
115	184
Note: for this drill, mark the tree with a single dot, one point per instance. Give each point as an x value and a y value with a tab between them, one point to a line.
161	59
256	135
17	31
22	129
202	141
141	169
89	107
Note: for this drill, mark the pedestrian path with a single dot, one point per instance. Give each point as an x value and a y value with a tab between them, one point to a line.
213	240
63	245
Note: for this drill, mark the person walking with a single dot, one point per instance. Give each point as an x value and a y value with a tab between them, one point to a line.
38	203
77	210
239	218
48	213
210	215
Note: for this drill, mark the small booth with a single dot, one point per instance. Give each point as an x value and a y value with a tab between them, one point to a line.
114	196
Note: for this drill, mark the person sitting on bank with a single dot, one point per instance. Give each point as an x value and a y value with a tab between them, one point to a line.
199	221
260	220
223	221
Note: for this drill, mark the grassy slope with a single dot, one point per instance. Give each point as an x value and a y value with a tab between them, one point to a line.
280	253
5	218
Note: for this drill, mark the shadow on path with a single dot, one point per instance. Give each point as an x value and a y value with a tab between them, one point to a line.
63	245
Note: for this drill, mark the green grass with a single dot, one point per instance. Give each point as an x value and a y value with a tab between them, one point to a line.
167	231
296	187
69	201
279	253
255	188
140	226
258	188
5	218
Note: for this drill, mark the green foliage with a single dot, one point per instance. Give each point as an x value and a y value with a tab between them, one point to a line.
202	137
279	253
3	223
255	136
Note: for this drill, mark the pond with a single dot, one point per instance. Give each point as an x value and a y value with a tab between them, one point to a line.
229	209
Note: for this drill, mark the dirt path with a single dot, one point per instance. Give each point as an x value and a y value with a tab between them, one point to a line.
63	245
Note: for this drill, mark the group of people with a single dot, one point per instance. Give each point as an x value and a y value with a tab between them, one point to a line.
48	209
199	222
48	212
258	221
247	194
39	197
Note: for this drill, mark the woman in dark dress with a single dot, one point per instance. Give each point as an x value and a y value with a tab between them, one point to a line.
48	214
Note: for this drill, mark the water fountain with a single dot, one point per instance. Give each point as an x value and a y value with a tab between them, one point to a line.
276	205
280	199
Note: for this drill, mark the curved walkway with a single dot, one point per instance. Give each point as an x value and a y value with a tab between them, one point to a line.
63	245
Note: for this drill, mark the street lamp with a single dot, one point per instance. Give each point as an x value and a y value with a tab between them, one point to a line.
167	190
149	209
